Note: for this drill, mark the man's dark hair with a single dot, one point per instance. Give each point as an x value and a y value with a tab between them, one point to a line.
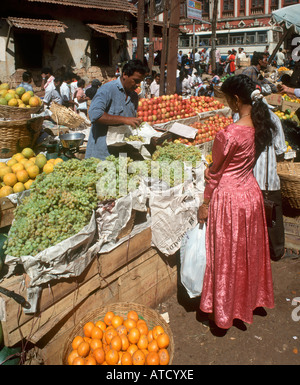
257	56
81	83
26	76
68	76
47	70
133	66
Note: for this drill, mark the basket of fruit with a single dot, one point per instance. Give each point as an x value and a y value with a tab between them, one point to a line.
18	103
121	333
289	174
18	134
66	116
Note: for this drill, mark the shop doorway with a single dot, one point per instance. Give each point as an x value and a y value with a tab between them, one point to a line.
28	50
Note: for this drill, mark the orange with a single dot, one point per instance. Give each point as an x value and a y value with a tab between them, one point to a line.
18	187
122	330
157	330
109	335
163	341
23	161
90	360
33	171
72	356
150	335
5	191
116	343
83	349
78	361
5	170
143	342
112	357
108	317
125	342
76	342
22	176
100	324
153	347
152	358
17	167
96	333
134	335
18	156
116	321
99	355
11	162
87	339
87	329
129	323
132	348
95	344
126	359
28	184
48	168
10	179
142	326
133	315
138	358
106	348
164	357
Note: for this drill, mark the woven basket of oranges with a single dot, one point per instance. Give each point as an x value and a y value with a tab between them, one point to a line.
123	333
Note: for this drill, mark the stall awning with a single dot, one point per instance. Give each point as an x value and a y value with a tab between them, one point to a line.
54	26
109	30
290	16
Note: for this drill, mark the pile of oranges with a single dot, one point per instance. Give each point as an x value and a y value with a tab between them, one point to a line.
120	341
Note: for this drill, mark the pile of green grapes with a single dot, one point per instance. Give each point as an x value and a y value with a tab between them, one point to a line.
170	152
59	206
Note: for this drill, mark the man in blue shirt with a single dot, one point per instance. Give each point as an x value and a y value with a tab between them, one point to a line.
27	78
115	103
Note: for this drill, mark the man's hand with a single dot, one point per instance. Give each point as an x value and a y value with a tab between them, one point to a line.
133	121
207	177
202	213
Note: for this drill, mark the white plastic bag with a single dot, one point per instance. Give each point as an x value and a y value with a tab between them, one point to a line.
193	260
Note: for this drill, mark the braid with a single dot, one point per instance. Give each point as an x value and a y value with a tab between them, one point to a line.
243	87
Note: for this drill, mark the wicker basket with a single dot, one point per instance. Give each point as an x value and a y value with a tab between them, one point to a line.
65	116
17	113
218	93
289	174
18	134
151	317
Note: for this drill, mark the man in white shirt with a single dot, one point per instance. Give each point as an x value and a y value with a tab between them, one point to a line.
197	61
240	56
280	58
154	88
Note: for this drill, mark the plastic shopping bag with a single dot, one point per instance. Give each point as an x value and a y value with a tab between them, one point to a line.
193	260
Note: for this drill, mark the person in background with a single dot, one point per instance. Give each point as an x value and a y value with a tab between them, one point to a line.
47	80
65	90
91	91
231	60
227	67
218	61
73	85
115	103
238	275
27	79
81	99
155	86
266	51
179	57
146	87
280	59
54	95
196	83
292	92
259	63
197	62
240	56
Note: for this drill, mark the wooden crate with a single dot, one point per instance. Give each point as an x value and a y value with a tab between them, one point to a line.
6	212
133	272
292	232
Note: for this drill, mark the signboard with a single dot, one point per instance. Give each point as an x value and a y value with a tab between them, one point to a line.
194	9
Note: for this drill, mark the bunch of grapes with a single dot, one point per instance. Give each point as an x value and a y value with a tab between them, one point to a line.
170	152
59	206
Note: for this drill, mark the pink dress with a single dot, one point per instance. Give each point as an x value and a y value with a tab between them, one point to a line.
238	275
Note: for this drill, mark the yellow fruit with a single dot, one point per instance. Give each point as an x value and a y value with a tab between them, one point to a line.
9	96
51	161
10	179
33	159
4	171
18	187
17	167
28	164
4	86
34	101
40	161
22	176
48	168
28	184
2	164
28	152
11	162
18	156
3	93
11	91
22	105
5	191
33	171
20	91
13	102
23	161
57	160
26	97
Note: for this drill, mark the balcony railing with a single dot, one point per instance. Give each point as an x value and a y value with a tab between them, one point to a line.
228	13
257	11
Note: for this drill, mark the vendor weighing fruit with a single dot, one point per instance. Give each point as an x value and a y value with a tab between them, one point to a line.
115	103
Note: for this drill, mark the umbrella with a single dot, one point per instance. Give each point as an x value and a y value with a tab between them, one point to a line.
289	15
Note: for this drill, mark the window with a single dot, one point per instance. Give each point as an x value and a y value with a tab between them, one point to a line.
250	38
28	50
100	51
258	3
262	37
205	7
184	41
236	39
290	2
204	41
242	5
222	39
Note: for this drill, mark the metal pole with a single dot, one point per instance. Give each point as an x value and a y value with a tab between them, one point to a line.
164	50
140	30
151	42
214	35
173	46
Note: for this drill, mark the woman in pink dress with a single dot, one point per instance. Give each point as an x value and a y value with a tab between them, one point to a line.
238	276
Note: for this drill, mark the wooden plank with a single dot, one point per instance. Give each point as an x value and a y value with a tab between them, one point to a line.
7	209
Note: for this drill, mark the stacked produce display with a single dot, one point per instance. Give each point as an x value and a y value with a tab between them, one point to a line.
166	108
18	97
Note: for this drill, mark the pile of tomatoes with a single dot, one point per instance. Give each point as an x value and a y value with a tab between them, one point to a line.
120	341
165	108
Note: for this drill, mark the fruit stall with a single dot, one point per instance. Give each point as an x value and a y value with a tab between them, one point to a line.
87	238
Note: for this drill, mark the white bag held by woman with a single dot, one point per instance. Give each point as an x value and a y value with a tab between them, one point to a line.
193	260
